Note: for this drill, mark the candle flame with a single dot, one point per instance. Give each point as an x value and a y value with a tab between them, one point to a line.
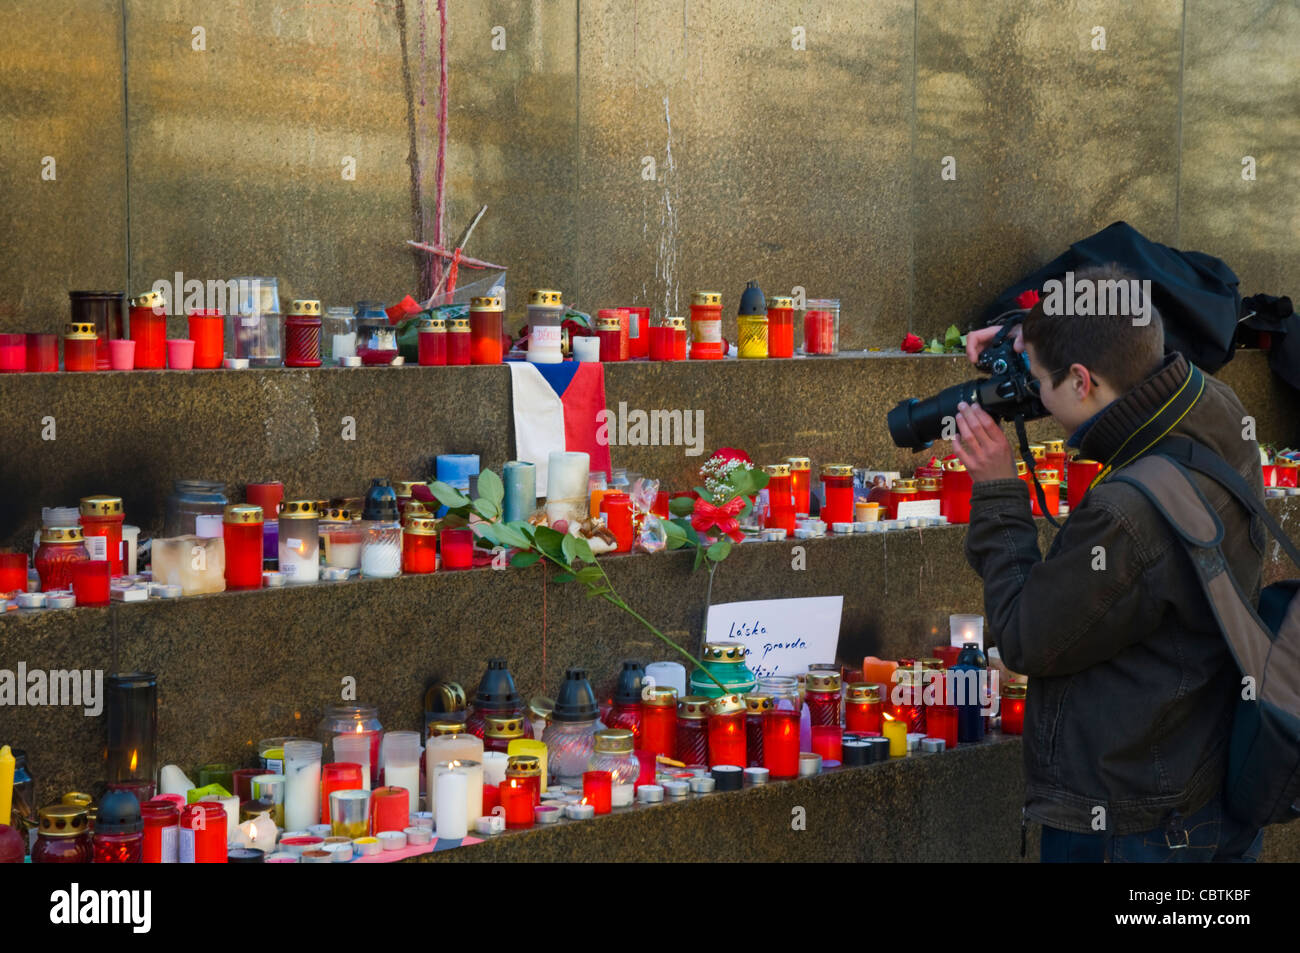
359	729
888	716
135	759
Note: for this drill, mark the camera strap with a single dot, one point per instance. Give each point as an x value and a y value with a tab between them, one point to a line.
1028	456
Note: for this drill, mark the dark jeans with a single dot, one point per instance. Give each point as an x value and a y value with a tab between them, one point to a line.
1209	835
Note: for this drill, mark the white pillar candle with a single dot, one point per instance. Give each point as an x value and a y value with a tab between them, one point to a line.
586	349
231	806
452	824
458	747
354	748
400	756
566	485
473	771
621	795
668	675
299	555
174	781
965	628
258	832
301	784
345	345
494	767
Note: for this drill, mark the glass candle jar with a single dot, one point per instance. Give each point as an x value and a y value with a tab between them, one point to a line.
300	541
941	722
203	832
659	722
726	662
458	343
752	334
79	346
43	353
598	790
60	548
189	500
780	497
254	324
828	741
801	483
968	677
1050	481
706	326
149	330
781	726
119	832
487	329
302	334
780	329
337	776
638	333
1013	709
499	730
927	488
727	731
610	331
338	335
617	508
756	706
419	545
101	527
837	490
904	490
693	730
241	527
161	832
1054	455
863	709
522	791
340	538
376	338
1079	476
612	751
955	491
206	331
821	327
91	582
63	835
105	311
457	546
354	721
13	574
545	317
663	338
823	698
381	539
906	700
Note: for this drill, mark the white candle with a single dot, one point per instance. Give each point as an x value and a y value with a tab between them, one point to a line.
231	806
451	819
965	628
473	771
586	349
299	557
566	485
301	784
174	781
457	747
400	756
354	748
667	675
621	795
494	767
259	833
345	345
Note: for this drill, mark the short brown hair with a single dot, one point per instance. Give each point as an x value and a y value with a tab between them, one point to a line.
1110	346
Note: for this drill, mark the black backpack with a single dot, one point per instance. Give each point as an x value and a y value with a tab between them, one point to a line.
1263	782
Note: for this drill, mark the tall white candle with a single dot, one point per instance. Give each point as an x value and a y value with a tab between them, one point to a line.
473	771
494	767
345	345
566	485
301	784
452	822
354	748
174	781
458	747
400	755
231	806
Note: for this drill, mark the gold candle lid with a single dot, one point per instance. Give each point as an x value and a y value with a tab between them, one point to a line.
955	465
404	487
693	708
62	534
64	820
503	726
101	506
1037	449
904	484
724	652
757	704
78	798
439	728
445	697
150	300
706	298
299	510
609	324
726	705
676	322
460	325
931	664
1054	446
661	696
305	306
337	514
432	325
1014	691
523	766
860	692
613	741
927	484
823	681
486	303
545	296
779	302
1021	469
799	463
837	469
80	331
240	513
420	525
777	469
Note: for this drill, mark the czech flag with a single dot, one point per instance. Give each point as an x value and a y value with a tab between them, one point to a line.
555	408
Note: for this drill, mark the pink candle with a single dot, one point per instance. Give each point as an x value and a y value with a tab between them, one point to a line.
828	741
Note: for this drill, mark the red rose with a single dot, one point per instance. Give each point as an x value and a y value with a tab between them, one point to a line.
731	453
1027	299
912	344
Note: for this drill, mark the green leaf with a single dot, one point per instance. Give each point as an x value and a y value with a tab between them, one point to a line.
490	486
702	492
583	548
448	495
524	560
486	531
760	480
511	536
569	546
590	575
675	542
564	577
599	591
550	542
951	338
486	508
718	551
681	506
673	530
699	558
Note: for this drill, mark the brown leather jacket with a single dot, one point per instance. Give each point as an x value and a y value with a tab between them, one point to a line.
1131	685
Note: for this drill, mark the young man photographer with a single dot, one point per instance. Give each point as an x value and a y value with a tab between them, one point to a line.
1131	684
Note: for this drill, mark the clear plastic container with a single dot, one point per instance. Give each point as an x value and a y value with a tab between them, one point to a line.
381	549
254	327
821	326
338	335
612	751
190	499
570	745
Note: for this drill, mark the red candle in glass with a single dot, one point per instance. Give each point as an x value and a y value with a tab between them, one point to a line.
118	848
780	329
1054	458
302	334
609	331
161	830
661	341
727	731
659	722
457	548
433	342
491	797
638	335
149	330
521	792
819	332
823	698
207	329
617	508
837	486
905	702
801	483
101	527
1013	710
680	337
90	582
781	743
955	491
13	573
79	348
941	722
338	776
61	547
1079	475
13	353
419	545
660	507
863	710
43	353
203	832
628	715
828	741
458	342
241	529
598	790
756	706
693	730
485	326
390	809
1051	483
706	326
780	498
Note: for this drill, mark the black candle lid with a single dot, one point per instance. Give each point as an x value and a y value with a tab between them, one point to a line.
119	813
496	690
630	682
576	701
751	301
381	502
971	655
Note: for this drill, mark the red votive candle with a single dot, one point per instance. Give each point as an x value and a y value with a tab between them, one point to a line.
609	329
433	342
42	353
486	327
1079	475
457	548
13	353
693	730
339	776
662	341
781	743
827	741
780	498
521	791
101	526
207	332
79	348
863	709
241	528
756	706
955	491
458	342
203	833
13	573
617	508
161	832
837	487
659	722
90	582
491	797
941	722
780	329
706	326
390	809
149	330
1013	709
302	327
598	790
419	545
727	731
823	698
638	335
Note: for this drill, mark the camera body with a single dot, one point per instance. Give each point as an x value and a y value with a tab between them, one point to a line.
1008	392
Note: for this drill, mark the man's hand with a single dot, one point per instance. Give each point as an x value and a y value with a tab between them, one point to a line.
976	341
981	445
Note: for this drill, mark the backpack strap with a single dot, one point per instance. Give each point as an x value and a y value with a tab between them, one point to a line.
1173	494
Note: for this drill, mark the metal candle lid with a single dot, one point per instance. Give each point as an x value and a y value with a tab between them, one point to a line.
150	300
299	510
421	526
64	820
1048	476
459	326
305	306
608	324
677	322
613	741
864	692
545	296
62	534
777	469
101	506
724	652
1038	450
241	513
837	469
927	484
823	681
726	705
799	463
693	708
707	299
486	303
661	696
405	488
523	766
1014	691
503	726
780	303
757	704
432	325
1054	446
80	331
438	728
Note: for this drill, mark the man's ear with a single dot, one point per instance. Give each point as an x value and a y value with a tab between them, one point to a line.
1082	381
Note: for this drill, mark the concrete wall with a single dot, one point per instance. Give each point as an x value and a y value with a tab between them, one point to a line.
817	167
